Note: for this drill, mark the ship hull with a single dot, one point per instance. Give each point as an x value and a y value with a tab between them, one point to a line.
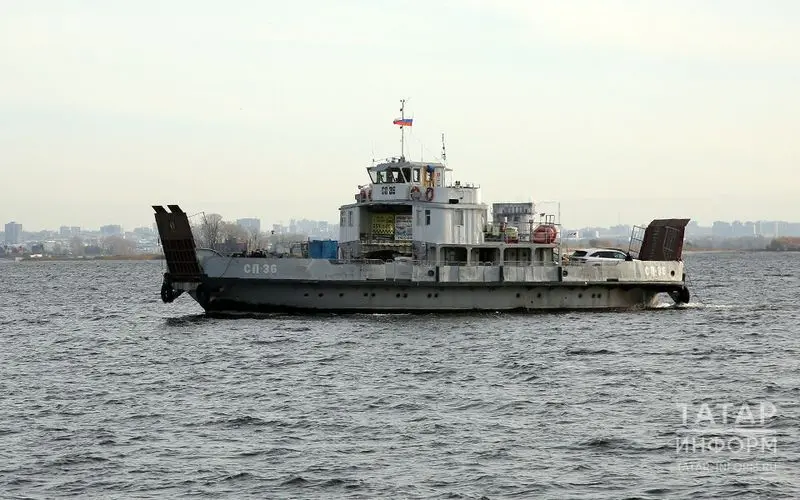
261	283
262	296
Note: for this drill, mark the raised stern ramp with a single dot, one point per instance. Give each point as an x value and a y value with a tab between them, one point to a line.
663	240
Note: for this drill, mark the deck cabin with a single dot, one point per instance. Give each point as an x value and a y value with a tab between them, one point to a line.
415	210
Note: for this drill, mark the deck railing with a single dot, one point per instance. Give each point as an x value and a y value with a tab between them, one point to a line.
420	271
454	263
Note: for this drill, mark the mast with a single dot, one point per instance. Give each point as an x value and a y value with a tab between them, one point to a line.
402	130
444	153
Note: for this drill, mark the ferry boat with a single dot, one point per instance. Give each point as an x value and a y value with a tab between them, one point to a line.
414	240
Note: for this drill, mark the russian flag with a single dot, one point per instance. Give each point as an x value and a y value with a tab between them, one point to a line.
403	122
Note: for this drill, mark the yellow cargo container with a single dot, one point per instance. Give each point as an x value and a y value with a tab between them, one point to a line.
383	225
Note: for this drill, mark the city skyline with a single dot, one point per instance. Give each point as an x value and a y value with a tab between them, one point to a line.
766	226
587	212
623	111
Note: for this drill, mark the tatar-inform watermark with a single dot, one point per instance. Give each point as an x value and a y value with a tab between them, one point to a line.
733	435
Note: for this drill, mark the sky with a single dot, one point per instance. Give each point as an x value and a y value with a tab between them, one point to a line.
621	110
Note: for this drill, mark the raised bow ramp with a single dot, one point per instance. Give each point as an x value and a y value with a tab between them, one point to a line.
180	251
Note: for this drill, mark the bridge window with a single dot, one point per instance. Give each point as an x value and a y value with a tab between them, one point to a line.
415	175
396	175
341	218
350	218
427	217
459	217
392	176
419	216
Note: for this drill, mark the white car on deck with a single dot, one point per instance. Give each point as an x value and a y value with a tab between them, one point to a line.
597	256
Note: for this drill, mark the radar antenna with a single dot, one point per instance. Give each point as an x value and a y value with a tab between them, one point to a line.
444	153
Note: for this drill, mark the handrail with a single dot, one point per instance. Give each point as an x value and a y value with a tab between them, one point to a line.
416	262
211	250
507	263
522	263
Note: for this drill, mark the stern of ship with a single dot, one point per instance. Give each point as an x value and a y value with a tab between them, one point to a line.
662	241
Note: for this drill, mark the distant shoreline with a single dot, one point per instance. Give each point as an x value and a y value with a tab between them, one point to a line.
79	259
149	257
747	250
719	250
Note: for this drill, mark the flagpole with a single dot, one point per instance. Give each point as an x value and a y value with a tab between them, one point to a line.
402	129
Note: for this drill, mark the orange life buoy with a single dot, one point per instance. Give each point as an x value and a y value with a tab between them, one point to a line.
429	194
415	193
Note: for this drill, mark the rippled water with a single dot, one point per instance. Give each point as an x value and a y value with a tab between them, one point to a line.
107	392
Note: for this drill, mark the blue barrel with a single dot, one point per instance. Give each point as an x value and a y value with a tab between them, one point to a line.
323	249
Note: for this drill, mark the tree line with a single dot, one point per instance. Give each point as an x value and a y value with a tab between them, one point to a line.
77	247
213	231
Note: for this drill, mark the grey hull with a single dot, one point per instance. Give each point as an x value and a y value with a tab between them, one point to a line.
232	295
262	283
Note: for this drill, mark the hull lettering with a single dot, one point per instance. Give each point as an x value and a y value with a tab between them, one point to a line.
260	269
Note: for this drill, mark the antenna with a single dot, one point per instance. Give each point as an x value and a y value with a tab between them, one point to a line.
444	153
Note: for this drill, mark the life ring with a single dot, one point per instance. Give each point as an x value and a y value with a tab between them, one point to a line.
429	194
415	193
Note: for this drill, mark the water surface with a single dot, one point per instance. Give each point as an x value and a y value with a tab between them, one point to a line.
107	392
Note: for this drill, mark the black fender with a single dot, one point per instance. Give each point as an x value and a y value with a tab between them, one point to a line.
201	295
167	293
681	296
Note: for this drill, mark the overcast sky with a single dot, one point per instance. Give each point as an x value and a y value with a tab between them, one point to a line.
623	110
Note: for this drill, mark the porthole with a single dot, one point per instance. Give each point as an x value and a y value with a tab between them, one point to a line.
321	294
539	295
517	294
580	295
672	273
405	295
